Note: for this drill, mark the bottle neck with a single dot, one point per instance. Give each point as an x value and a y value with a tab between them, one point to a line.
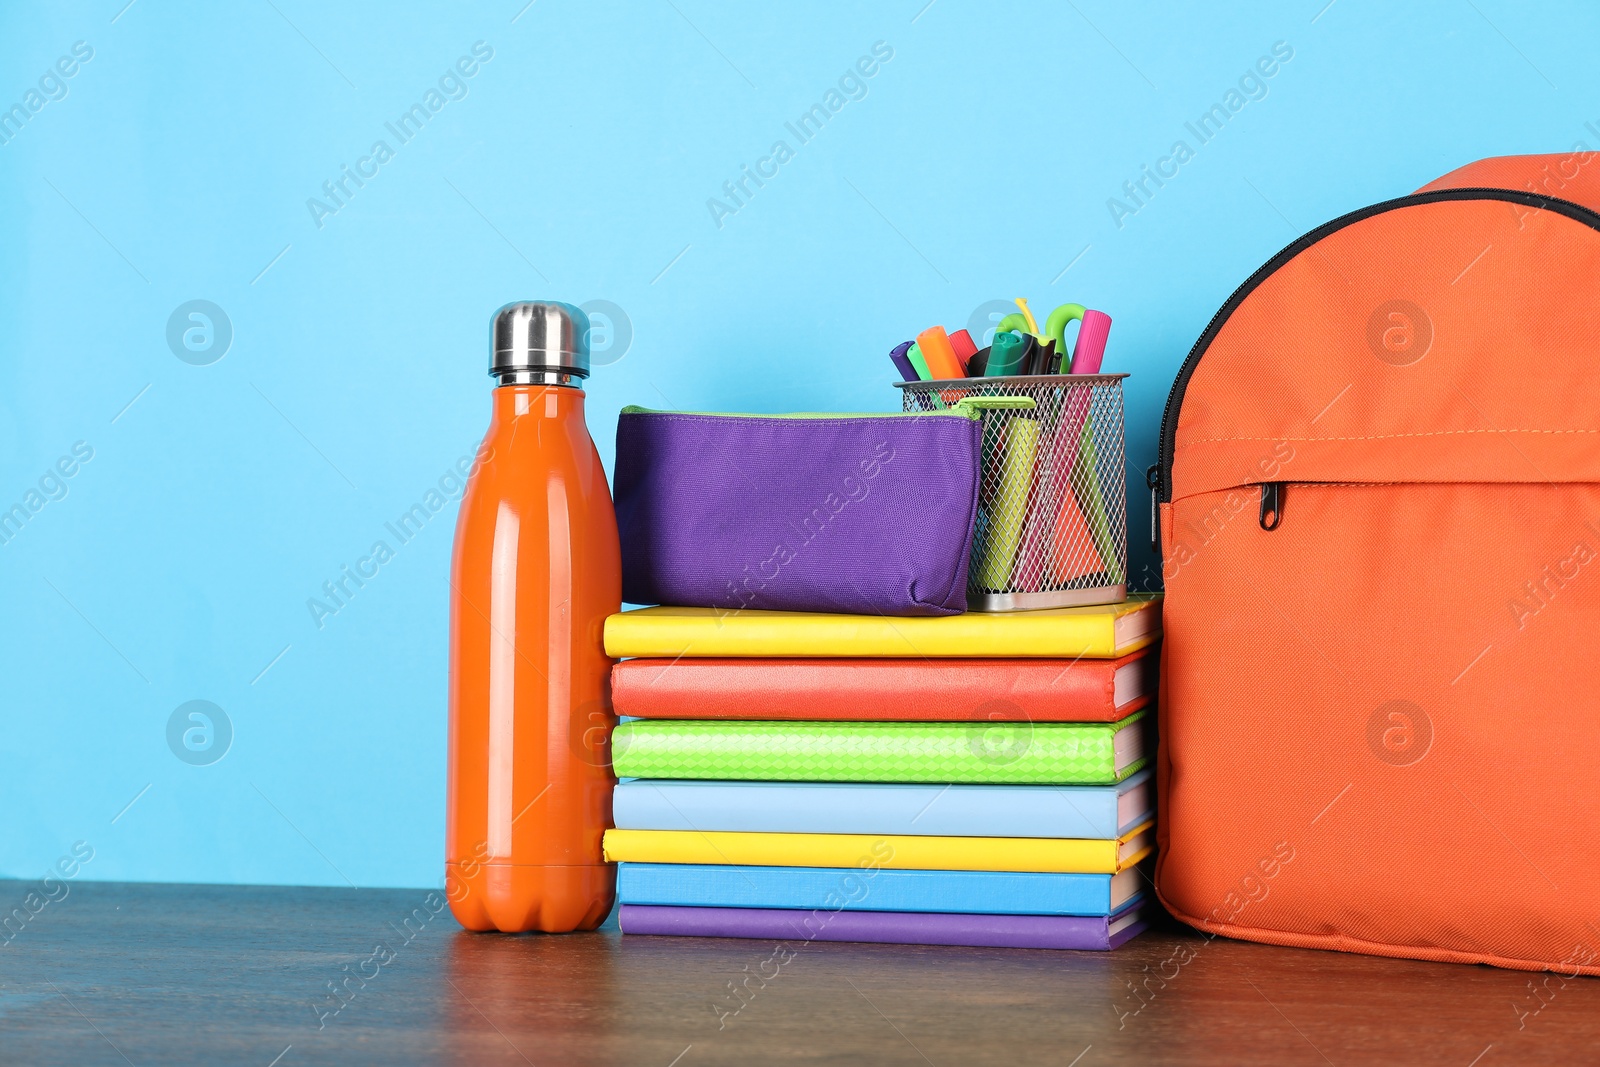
537	401
563	378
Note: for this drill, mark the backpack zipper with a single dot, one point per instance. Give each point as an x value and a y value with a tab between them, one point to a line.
1159	477
1152	480
1271	505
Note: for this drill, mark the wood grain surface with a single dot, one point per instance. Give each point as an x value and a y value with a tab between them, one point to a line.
157	974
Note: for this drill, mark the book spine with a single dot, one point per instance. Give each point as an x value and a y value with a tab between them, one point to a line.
749	634
901	928
837	808
1056	855
976	892
883	689
1005	752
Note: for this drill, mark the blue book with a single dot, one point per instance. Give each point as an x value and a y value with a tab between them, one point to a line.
1081	811
855	889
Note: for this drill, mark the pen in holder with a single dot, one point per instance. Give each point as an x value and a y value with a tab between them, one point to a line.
1052	526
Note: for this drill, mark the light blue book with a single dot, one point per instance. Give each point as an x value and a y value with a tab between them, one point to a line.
854	889
1083	811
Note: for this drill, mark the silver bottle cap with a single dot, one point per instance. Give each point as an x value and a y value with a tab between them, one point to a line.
540	342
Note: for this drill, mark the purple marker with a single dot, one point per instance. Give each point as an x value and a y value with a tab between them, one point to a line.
902	363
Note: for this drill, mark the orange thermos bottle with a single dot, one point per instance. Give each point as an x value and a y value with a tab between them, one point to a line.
536	571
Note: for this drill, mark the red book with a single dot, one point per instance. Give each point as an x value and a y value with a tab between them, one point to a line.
929	690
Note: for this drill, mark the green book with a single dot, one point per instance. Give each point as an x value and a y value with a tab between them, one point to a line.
983	751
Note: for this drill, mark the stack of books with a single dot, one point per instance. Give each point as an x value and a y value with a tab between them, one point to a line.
973	779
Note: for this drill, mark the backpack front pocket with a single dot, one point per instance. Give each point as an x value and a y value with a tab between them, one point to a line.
1393	682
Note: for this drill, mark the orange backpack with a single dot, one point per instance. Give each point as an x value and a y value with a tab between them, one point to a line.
1379	495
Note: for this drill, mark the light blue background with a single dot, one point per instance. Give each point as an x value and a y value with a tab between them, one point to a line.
977	167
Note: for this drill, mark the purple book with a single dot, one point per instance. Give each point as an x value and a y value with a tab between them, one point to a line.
1100	932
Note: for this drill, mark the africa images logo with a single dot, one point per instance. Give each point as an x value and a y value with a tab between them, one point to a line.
1400	733
199	733
1399	332
199	332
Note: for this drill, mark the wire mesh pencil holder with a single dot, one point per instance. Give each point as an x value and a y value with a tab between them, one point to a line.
1052	527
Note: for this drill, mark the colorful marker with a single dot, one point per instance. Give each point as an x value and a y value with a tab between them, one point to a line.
902	363
939	355
1005	355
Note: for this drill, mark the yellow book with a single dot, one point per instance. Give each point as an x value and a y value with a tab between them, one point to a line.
898	851
1101	632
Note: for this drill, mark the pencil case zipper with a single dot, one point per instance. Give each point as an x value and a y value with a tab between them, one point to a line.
971	407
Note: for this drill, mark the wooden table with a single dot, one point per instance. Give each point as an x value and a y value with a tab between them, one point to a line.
148	974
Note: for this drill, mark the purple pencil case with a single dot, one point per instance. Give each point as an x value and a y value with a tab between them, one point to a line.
858	514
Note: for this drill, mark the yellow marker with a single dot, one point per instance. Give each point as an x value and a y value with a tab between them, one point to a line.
1027	316
1010	504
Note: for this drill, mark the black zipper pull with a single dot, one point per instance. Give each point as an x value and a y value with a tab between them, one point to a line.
1152	478
1271	505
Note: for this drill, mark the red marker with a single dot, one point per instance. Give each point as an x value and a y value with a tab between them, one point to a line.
961	343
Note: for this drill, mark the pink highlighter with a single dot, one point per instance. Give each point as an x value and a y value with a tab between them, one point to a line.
1091	346
1093	331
